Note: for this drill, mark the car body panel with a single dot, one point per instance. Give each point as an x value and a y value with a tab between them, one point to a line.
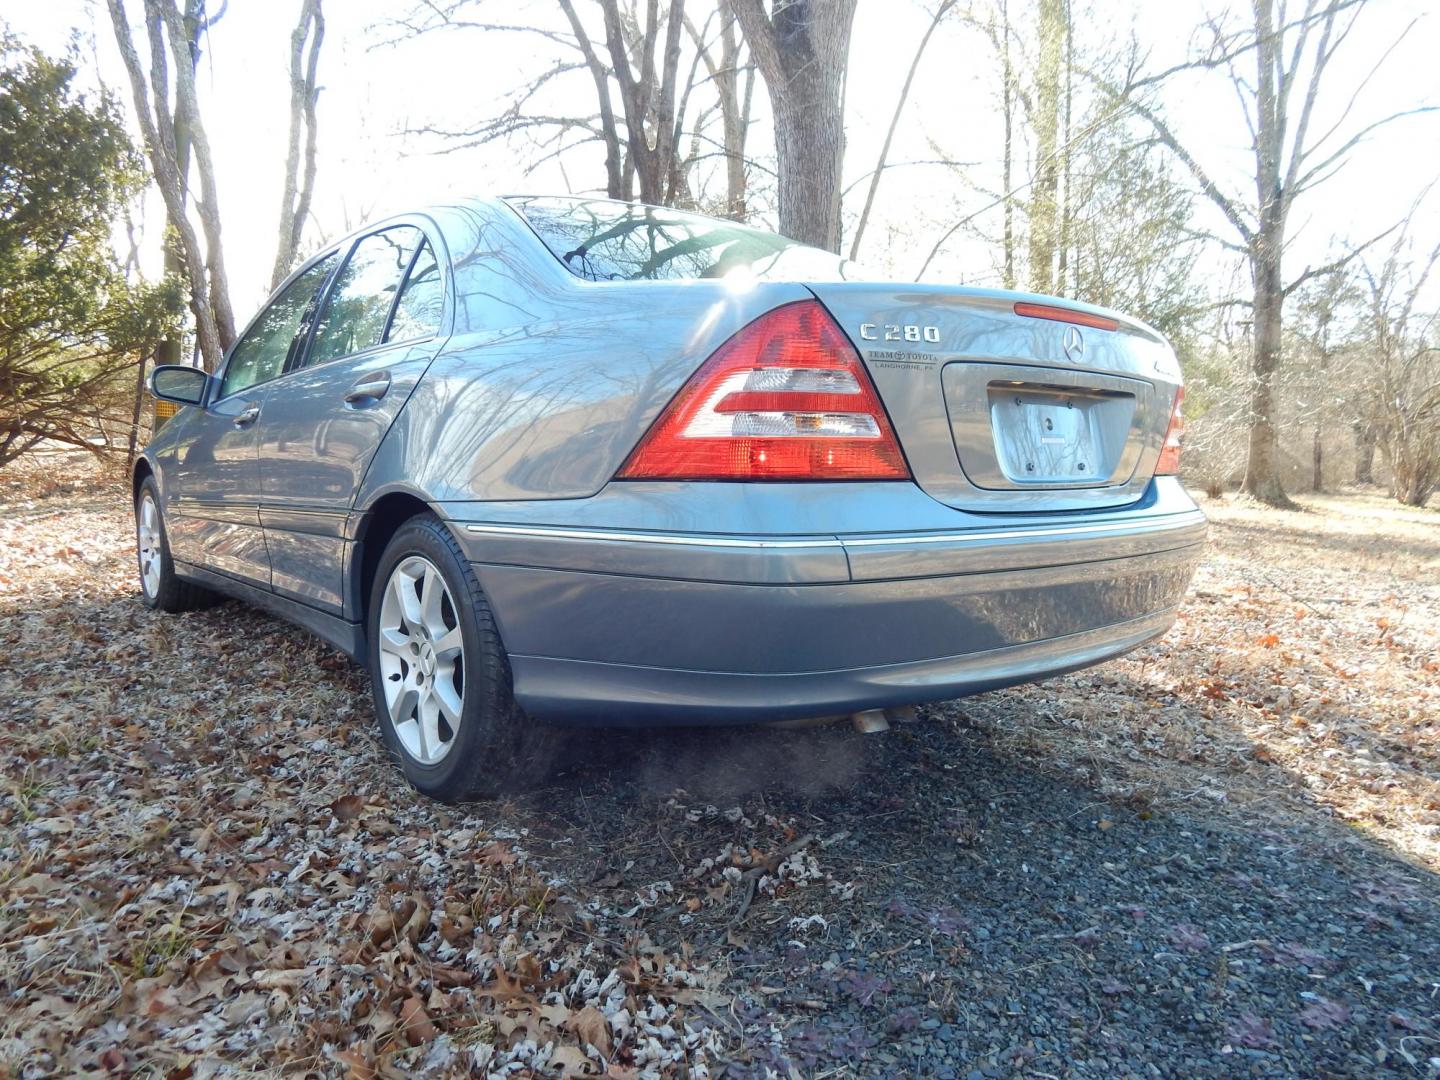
711	602
210	488
547	383
1001	543
945	430
313	452
586	693
624	589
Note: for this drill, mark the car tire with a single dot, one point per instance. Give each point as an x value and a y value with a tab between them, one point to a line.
450	719
160	587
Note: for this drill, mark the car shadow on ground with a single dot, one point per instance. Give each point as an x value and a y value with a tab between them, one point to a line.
972	910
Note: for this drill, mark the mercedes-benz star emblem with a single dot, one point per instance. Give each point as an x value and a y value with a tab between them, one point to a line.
1074	345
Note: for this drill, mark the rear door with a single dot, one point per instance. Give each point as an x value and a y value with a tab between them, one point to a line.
375	332
213	481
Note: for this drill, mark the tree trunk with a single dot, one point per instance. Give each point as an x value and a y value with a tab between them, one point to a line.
809	143
734	102
614	178
187	105
1064	285
1262	469
1413	476
1044	189
304	93
650	94
733	116
1317	463
1007	176
802	51
159	131
1364	452
137	407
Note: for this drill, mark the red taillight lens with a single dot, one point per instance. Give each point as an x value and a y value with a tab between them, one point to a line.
1064	314
784	399
1169	463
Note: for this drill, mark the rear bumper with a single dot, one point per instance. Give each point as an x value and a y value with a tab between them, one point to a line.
643	626
586	692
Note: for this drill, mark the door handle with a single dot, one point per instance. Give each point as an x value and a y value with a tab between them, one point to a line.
368	388
249	416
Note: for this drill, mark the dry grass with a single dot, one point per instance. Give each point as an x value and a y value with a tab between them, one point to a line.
1304	672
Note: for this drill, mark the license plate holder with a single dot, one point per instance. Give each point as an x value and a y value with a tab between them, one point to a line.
1046	435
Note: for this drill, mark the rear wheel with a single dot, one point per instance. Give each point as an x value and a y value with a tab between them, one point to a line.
440	675
160	588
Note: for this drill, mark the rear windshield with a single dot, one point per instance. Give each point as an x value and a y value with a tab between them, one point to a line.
601	240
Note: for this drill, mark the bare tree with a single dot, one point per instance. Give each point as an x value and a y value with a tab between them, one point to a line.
1402	401
802	49
1007	97
940	13
734	96
642	90
616	174
171	40
1291	60
1053	16
649	94
1319	333
304	95
1364	451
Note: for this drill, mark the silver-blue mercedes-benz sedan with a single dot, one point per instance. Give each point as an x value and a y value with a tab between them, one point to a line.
537	461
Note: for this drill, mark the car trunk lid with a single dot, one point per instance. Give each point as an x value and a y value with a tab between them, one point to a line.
1009	402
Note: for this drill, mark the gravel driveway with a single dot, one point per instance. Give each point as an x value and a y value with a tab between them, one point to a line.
207	868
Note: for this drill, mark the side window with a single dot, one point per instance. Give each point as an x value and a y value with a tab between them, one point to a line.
260	355
418	313
359	303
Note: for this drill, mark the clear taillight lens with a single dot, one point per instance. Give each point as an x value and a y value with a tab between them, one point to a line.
1169	463
784	399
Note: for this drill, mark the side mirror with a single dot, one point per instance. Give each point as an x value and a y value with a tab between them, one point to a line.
182	385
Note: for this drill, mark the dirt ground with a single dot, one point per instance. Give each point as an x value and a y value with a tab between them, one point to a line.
1215	857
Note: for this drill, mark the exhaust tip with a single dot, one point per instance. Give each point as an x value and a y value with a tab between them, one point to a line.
870	722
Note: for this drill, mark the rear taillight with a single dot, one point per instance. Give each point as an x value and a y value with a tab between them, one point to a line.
1169	463
784	399
1064	314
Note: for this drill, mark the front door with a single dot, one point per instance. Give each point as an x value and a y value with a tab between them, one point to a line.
213	480
375	334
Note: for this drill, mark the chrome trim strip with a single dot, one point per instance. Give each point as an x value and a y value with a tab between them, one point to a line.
1141	527
1144	527
649	538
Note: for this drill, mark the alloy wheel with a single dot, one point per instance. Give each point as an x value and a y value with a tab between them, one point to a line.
422	660
147	544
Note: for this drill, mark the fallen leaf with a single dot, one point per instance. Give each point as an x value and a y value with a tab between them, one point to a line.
591	1027
495	854
415	1023
347	807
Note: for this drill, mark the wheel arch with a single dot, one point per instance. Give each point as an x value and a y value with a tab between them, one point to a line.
139	472
380	521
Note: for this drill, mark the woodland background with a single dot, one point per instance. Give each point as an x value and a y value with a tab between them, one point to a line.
1058	153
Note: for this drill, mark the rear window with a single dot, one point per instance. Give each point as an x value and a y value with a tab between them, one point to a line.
601	240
